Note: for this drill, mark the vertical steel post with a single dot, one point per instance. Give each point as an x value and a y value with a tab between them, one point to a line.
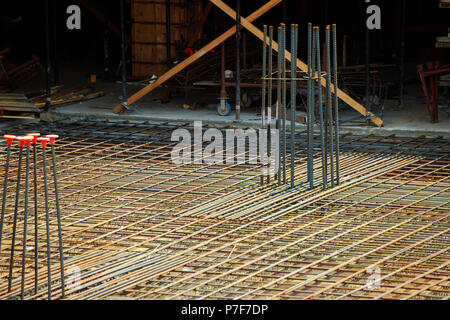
16	206
36	248
402	52
55	47
322	127
368	104
283	97
313	82
238	60
263	94
294	40
48	60
244	50
47	218
25	218
124	62
105	45
58	212
310	111
336	101
269	97
9	142
278	113
168	41
329	102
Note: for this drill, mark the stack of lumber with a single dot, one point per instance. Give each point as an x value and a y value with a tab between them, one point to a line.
13	103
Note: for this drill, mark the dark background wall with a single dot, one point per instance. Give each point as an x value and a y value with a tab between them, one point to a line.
424	22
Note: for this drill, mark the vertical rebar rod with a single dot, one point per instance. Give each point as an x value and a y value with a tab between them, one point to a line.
336	101
269	97
310	112
263	94
283	96
48	60
25	221
238	59
313	82
294	37
105	44
122	47
367	47
244	50
55	47
58	216
270	67
16	205
402	52
36	251
329	102
47	224
319	92
279	106
5	188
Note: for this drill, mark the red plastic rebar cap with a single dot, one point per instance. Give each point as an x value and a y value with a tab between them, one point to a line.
43	141
52	138
35	135
28	140
9	139
23	140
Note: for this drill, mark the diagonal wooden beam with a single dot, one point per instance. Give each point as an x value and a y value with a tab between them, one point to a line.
186	62
259	34
100	16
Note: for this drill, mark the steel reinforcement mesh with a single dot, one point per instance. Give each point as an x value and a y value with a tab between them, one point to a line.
137	226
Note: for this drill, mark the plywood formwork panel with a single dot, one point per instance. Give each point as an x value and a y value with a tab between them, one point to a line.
149	32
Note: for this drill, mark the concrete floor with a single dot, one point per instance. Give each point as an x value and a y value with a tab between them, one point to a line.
413	119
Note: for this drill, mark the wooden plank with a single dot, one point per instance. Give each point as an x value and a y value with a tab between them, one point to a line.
200	53
259	34
97	13
16	102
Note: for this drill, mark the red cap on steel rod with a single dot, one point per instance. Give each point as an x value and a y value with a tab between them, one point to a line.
43	141
35	135
52	138
9	139
26	140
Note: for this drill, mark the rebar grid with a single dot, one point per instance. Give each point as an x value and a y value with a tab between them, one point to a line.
138	226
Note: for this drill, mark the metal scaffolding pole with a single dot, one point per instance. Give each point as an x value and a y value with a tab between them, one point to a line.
124	62
238	60
47	55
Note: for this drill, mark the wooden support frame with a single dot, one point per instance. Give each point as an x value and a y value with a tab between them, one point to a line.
246	23
186	62
341	94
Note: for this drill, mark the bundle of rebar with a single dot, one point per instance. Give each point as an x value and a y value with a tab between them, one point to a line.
328	119
26	141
